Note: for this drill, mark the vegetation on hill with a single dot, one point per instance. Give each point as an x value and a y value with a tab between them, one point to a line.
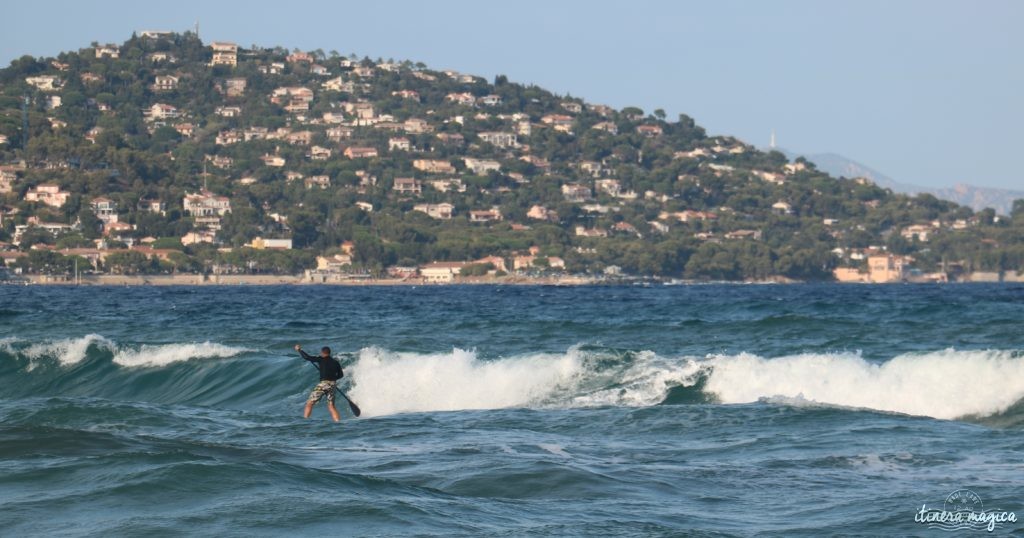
279	134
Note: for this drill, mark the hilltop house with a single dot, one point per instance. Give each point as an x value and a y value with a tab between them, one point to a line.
454	139
228	111
299	57
417	126
355	152
108	51
433	166
782	208
339	133
572	106
320	181
260	243
612	187
46	83
449	185
649	130
300	138
334	117
7	179
49	194
226	138
319	153
407	94
442	211
104	208
407	185
917	231
539	212
165	83
500	139
273	160
466	99
583	231
235	87
186	130
481	166
199	236
224	53
154	205
489	100
399	144
206	204
161	111
485	215
559	122
574	192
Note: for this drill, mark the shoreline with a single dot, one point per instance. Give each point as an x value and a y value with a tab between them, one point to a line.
286	280
301	280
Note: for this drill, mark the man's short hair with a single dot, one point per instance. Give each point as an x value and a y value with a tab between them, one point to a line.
326	350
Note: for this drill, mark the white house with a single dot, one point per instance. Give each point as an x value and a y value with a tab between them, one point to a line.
205	204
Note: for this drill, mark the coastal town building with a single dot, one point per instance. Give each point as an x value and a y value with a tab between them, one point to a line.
360	152
481	166
224	53
441	272
260	243
165	83
49	194
442	211
205	204
485	215
407	185
500	139
433	166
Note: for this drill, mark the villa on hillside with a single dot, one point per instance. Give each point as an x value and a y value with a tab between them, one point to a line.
205	204
407	185
49	194
442	211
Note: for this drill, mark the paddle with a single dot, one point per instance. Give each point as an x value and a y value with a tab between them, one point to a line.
351	405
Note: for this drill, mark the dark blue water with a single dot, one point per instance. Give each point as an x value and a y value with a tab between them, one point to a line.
507	411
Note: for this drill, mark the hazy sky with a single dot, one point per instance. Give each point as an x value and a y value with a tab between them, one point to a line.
927	92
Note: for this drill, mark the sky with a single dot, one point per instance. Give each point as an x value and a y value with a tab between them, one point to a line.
928	92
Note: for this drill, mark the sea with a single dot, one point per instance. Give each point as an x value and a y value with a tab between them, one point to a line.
640	410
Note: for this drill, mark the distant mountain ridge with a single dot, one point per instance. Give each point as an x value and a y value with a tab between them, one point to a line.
977	198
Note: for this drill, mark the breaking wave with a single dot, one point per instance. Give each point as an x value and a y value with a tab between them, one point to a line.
945	384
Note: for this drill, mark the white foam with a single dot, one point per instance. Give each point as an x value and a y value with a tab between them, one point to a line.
944	384
388	383
164	354
645	381
67	351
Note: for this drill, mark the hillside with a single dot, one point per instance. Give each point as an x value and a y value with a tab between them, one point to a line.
166	154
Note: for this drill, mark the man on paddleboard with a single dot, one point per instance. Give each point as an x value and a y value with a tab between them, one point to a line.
330	373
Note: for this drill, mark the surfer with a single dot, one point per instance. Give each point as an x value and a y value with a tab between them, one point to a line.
330	373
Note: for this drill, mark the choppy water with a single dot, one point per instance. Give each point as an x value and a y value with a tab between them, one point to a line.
507	411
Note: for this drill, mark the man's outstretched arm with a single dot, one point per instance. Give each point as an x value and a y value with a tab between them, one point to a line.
307	356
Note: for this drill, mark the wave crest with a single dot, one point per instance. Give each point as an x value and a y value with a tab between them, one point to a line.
945	384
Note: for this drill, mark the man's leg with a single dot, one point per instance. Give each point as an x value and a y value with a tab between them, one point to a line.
333	410
308	411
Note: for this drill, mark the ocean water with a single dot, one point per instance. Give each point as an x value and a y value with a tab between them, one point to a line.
806	410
